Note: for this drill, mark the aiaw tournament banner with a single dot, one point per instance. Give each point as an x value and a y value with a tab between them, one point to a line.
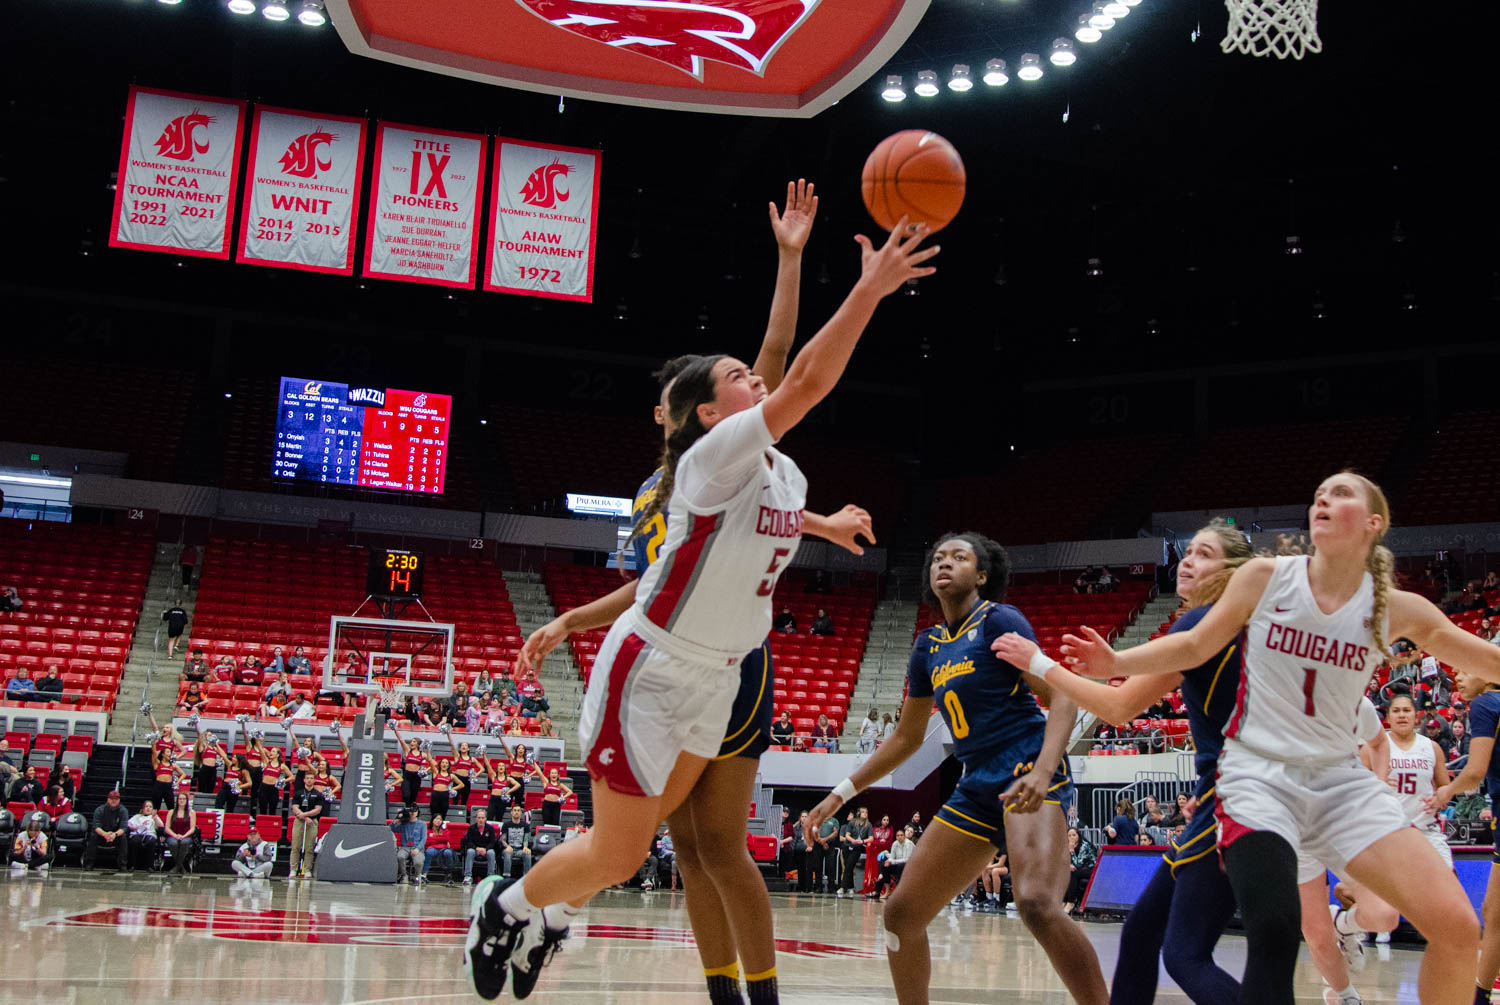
179	162
542	228
422	224
301	191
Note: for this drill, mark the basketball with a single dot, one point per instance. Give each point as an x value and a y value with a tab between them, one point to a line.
917	174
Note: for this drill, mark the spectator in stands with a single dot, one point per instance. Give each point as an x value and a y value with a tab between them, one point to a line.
819	582
195	667
515	841
484	684
915	826
176	619
1086	580
544	726
187	558
411	846
1107	582
255	858
827	855
1491	581
782	730
666	856
281	686
1179	815
480	838
276	664
28	789
10	600
533	696
881	839
301	707
458	703
249	673
823	736
853	837
1460	746
887	727
224	669
8	774
1123	828
1436	729
141	836
440	851
107	833
822	624
21	686
30	849
1144	839
895	860
55	804
786	622
50	686
1082	859
307	806
192	700
298	662
1148	807
181	831
646	874
869	732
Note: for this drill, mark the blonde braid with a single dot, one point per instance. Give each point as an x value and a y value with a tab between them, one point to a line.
1381	564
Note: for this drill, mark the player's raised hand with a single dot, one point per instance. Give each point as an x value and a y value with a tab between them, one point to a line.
815	817
793	225
1015	649
887	268
848	524
1090	655
540	643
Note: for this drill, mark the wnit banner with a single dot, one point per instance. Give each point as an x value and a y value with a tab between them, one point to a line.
423	222
542	229
178	163
301	191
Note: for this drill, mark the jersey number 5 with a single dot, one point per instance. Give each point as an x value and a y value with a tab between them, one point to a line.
956	714
769	584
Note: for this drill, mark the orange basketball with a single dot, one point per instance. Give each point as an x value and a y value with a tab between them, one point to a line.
917	174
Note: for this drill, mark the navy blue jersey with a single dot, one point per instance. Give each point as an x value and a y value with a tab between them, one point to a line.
1484	721
649	541
983	699
1209	692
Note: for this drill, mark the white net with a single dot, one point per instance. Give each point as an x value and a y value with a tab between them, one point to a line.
1280	28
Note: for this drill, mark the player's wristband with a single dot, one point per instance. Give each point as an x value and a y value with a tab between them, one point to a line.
1040	664
845	790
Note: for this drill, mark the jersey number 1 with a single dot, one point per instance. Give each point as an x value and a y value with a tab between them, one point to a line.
1309	681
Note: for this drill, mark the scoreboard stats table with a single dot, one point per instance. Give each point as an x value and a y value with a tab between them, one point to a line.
380	438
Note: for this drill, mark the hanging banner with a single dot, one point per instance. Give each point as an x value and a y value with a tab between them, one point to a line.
542	228
422	224
178	165
301	190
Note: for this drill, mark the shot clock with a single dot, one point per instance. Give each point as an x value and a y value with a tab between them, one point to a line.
395	574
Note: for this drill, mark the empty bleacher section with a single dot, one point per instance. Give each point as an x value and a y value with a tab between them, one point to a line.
82	588
1457	480
110	411
550	452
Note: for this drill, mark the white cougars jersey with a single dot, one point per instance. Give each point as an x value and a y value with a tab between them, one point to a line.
1411	777
734	526
1305	671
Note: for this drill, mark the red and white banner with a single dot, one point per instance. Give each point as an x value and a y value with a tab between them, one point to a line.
178	164
301	191
422	224
542	228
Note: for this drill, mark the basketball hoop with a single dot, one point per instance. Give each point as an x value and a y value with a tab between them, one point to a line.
1279	28
387	697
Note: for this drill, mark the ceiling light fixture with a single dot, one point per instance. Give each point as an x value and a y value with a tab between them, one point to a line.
1030	68
994	73
1086	32
960	80
893	89
927	84
312	14
275	10
1062	52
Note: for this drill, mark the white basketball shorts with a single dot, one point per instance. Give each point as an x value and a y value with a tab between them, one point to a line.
1329	813
644	707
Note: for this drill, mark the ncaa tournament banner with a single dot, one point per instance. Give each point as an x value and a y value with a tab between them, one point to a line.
301	189
178	165
422	225
546	202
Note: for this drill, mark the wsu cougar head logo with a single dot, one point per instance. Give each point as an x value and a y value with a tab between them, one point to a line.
541	188
301	157
177	140
743	33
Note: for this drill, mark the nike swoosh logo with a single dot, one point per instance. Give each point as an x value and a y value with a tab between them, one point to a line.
342	852
1282	610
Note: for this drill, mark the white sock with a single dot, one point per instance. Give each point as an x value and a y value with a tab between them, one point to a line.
514	903
558	917
1348	991
1346	924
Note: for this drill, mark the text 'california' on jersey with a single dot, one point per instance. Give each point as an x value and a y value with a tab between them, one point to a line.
647	544
733	527
983	699
1305	671
1209	692
1484	722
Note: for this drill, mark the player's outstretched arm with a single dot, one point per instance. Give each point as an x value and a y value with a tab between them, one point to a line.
843	528
1417	618
1113	704
1178	651
792	228
821	362
1467	780
595	614
890	755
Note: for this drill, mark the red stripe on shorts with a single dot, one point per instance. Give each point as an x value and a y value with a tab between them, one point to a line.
606	758
1230	829
1233	728
684	563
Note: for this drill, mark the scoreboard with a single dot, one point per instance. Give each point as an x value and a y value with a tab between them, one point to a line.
380	438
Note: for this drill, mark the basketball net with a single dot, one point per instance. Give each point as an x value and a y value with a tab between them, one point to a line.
386	697
1279	28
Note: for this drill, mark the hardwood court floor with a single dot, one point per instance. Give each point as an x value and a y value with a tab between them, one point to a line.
207	940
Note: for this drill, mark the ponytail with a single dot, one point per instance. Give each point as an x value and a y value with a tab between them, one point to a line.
1381	564
692	385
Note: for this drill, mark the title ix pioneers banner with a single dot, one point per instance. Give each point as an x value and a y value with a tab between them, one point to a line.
546	201
302	188
423	223
178	163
